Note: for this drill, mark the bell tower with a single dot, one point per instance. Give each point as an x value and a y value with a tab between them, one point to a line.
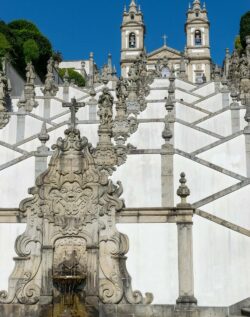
198	43
132	36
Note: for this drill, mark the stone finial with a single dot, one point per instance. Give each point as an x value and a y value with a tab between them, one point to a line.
43	135
183	191
167	133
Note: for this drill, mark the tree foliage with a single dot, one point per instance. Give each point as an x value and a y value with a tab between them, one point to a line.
27	43
78	78
244	28
4	45
30	50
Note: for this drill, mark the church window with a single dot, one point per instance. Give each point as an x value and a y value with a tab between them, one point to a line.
165	72
197	14
197	38
199	77
132	40
132	16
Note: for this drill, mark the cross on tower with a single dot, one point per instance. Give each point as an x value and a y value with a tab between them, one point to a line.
165	40
74	106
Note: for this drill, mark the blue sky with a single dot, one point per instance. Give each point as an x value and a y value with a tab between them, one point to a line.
78	27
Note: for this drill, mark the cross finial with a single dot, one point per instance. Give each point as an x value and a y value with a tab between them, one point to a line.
74	106
165	40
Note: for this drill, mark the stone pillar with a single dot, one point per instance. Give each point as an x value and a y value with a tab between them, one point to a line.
167	155
167	175
225	93
247	136
235	112
217	79
42	152
66	86
91	69
46	109
185	247
20	130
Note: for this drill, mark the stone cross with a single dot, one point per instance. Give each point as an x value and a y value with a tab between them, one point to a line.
74	106
165	39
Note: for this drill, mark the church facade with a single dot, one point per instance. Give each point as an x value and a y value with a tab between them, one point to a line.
193	64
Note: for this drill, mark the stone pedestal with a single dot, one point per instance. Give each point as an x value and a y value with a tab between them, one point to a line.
167	177
20	130
247	143
225	99
66	93
185	264
46	109
235	117
41	160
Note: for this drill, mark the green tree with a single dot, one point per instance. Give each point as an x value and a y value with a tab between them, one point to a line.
30	50
24	25
244	28
5	46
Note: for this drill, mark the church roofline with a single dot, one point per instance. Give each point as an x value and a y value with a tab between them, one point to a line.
165	48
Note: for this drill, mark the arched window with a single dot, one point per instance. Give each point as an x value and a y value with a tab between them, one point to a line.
132	40
165	72
197	38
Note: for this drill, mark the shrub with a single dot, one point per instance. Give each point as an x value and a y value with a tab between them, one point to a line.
79	80
237	44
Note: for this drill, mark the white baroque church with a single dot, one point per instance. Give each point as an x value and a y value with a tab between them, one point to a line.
183	118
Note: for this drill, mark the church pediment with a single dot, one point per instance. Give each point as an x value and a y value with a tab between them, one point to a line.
164	51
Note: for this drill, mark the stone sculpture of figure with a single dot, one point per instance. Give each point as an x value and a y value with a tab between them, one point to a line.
105	108
244	68
122	88
158	67
132	74
50	66
83	70
3	86
30	73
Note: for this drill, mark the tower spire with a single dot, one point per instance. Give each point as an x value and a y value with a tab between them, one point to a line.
196	5
133	6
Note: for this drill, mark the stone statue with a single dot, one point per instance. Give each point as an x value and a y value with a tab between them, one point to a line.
243	67
30	73
50	87
50	66
3	86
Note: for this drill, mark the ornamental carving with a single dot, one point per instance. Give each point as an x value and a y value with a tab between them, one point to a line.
71	243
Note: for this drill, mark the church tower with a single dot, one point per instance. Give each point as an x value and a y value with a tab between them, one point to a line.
132	36
198	44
